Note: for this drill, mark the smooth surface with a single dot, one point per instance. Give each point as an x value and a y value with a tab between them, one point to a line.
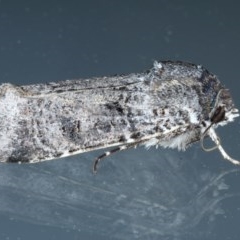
137	194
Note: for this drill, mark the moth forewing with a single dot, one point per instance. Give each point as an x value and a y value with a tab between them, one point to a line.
171	105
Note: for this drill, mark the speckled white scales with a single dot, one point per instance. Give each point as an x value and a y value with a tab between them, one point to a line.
172	105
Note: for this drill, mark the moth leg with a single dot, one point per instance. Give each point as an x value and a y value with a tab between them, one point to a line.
218	142
118	149
215	139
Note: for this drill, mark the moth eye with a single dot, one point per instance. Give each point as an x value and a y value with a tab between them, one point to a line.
219	115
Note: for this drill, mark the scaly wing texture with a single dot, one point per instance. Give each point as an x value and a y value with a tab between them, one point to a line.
45	121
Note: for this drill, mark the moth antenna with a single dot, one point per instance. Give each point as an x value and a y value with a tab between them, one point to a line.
212	134
106	154
118	149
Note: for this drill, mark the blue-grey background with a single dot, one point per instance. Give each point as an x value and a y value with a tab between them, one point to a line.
137	194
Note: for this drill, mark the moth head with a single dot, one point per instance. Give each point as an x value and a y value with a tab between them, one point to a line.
222	113
223	110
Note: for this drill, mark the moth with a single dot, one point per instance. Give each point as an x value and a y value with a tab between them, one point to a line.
174	104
